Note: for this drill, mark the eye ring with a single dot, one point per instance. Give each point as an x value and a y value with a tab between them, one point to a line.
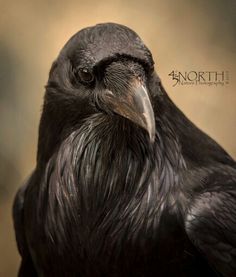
85	75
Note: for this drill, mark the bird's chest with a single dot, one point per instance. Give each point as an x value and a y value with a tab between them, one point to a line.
120	236
103	214
124	237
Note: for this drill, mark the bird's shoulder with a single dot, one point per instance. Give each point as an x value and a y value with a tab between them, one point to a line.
210	219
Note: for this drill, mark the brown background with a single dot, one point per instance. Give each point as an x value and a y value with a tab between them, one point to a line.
184	35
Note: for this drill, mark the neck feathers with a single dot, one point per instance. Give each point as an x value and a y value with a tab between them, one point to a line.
109	177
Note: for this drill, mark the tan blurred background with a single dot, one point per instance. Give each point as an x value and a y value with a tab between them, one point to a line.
184	35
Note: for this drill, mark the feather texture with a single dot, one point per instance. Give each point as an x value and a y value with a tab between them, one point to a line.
104	199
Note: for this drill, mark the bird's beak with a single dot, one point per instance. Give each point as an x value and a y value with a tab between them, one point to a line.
134	104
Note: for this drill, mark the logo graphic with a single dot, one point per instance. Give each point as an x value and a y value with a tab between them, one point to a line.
208	78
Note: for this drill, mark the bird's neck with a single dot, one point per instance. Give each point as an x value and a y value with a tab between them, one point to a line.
113	158
110	159
109	177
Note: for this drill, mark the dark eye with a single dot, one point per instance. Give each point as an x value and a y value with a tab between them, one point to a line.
85	75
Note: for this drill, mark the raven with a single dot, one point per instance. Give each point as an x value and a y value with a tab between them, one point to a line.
125	184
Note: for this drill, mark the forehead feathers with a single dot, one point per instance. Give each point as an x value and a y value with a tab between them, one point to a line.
103	42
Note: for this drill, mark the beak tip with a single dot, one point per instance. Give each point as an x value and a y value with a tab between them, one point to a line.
149	124
152	137
151	133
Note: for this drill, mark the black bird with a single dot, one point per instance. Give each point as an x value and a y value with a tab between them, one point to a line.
125	184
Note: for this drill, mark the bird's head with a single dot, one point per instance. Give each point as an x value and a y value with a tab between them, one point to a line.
101	69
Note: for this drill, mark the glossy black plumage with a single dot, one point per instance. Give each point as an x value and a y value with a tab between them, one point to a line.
104	198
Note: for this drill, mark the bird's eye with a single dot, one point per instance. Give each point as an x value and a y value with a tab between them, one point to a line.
85	75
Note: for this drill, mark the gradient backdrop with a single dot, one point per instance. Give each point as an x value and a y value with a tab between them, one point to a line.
183	35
